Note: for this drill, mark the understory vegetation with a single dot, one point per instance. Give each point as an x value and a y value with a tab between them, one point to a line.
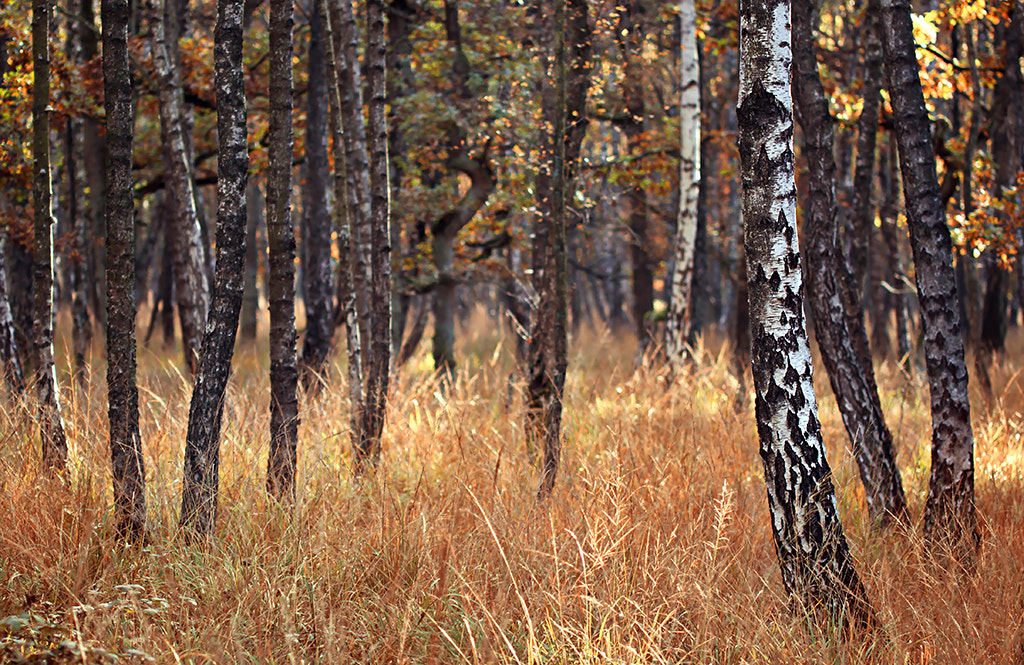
655	547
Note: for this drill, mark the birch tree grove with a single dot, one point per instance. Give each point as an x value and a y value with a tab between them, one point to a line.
202	443
126	461
832	288
817	567
677	328
949	517
51	423
284	405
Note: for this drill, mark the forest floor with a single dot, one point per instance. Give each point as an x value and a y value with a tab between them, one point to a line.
656	547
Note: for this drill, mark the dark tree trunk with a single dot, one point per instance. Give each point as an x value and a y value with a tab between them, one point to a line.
950	518
284	405
379	365
51	423
833	293
817	567
126	460
202	445
317	275
94	159
896	277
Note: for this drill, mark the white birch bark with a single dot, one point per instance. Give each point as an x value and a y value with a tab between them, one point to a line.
679	315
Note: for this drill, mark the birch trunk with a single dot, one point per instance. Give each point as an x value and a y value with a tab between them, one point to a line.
284	405
834	298
191	285
13	374
51	423
126	461
950	520
817	567
202	444
677	330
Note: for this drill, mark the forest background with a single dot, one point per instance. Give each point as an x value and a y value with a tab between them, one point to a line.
655	545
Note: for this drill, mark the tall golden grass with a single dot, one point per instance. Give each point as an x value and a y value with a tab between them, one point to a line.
656	547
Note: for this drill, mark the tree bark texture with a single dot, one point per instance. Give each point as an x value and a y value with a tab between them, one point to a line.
318	276
251	293
379	365
191	285
950	519
817	567
202	444
357	172
284	404
51	423
347	312
828	277
13	373
677	328
126	461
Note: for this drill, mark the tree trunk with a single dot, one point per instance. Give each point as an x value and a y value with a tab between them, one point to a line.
251	292
202	444
126	460
950	519
833	293
379	366
284	405
316	240
13	374
817	567
55	445
191	286
677	329
347	306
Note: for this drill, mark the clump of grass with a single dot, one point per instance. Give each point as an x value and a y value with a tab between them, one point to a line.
656	547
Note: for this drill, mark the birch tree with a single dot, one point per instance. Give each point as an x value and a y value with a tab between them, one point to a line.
202	443
284	405
677	329
817	567
126	461
51	423
950	520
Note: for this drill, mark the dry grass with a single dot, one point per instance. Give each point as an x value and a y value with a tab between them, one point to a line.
655	548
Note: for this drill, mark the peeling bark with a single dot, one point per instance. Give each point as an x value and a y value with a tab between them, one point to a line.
950	520
817	567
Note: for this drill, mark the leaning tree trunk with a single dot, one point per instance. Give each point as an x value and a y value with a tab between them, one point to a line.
202	444
817	567
55	445
833	290
284	404
949	519
379	365
126	460
316	239
677	329
191	286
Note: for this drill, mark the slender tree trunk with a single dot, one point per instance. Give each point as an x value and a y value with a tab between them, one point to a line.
677	330
817	567
13	374
830	279
284	405
251	298
379	366
317	276
55	445
950	519
126	460
191	286
202	444
347	305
